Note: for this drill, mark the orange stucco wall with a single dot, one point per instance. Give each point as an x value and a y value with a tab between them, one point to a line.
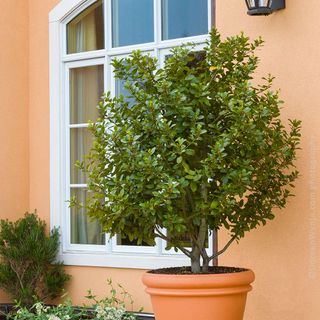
14	95
285	255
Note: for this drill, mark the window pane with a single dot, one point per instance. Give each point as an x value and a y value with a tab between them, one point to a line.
196	57
120	89
86	31
184	18
80	144
83	229
86	89
125	241
185	240
132	22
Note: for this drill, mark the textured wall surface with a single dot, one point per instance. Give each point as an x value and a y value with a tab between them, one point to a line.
284	254
14	95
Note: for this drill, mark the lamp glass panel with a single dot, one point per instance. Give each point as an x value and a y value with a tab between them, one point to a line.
263	3
251	3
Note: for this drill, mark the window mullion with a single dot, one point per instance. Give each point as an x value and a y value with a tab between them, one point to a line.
157	21
108	24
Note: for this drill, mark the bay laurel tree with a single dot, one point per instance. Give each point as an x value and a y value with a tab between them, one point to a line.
196	146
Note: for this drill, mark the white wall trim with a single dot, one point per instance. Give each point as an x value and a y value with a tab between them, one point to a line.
63	9
56	186
121	260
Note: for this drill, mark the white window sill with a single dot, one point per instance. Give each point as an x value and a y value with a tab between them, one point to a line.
122	260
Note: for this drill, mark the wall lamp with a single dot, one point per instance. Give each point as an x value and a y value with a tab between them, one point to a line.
264	7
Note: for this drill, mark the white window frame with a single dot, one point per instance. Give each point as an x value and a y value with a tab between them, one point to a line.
111	254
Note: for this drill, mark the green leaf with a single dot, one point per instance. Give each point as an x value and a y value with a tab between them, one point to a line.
193	186
214	204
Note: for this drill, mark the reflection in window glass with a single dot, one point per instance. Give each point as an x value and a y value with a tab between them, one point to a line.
83	229
184	18
132	22
86	89
125	241
86	31
185	240
80	144
121	89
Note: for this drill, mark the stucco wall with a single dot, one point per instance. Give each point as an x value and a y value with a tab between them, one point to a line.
14	158
284	254
13	108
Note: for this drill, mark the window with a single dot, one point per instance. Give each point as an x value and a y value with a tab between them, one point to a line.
84	37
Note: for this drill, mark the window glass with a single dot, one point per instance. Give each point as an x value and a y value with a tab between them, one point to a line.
184	18
86	31
132	22
125	241
86	89
121	89
83	229
80	144
185	240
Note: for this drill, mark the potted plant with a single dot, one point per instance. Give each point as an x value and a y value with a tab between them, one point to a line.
197	147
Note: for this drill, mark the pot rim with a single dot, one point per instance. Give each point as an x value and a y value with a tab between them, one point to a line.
186	281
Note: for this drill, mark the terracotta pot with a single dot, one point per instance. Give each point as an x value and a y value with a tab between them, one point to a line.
199	297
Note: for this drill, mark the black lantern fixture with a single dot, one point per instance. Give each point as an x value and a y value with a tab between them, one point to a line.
264	7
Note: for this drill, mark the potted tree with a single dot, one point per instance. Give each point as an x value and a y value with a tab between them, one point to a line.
197	147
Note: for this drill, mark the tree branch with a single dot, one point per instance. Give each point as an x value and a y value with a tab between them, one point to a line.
166	238
224	248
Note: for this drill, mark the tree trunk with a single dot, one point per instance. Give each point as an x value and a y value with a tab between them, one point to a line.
195	264
205	265
195	260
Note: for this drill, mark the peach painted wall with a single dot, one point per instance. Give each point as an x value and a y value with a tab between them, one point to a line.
285	254
14	158
13	108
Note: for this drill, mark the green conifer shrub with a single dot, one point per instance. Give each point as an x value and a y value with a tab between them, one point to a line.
28	270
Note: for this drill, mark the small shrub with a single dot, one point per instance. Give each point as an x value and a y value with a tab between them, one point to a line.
28	271
109	308
41	312
112	307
